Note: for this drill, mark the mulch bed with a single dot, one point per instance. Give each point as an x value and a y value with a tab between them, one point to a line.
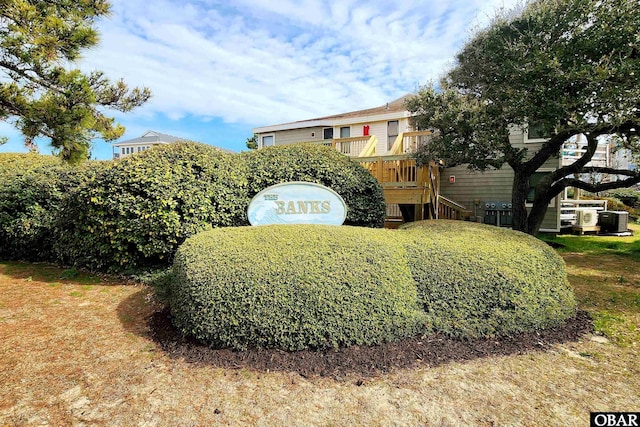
364	361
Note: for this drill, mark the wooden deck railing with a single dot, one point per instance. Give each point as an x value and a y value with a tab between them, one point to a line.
402	180
350	146
448	209
395	171
408	142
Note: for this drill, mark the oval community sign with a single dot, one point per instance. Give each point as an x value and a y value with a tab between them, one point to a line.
297	203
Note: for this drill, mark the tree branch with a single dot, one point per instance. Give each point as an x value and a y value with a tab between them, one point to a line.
604	186
610	171
42	81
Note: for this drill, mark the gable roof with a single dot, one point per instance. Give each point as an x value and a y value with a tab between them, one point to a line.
150	137
393	108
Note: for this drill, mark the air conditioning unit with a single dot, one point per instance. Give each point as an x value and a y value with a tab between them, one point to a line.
587	218
614	221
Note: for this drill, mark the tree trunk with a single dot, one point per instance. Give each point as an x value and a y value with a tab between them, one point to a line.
536	216
519	193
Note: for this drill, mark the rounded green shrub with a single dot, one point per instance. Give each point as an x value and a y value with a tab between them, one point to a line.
477	280
294	287
137	211
322	165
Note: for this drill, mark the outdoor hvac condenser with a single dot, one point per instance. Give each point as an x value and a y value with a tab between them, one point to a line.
613	221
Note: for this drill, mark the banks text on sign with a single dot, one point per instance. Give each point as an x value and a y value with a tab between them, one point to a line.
297	203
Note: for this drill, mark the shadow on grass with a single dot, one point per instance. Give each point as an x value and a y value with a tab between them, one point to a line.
361	361
50	273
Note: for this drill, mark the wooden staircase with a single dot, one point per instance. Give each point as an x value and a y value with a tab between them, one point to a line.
412	193
414	189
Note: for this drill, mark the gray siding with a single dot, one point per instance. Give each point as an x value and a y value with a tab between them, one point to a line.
473	189
286	137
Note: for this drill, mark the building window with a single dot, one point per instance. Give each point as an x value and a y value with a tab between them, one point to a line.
122	149
267	140
327	133
534	180
345	132
536	132
392	133
139	149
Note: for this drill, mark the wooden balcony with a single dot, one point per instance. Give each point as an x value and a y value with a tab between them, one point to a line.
409	189
414	189
353	146
408	142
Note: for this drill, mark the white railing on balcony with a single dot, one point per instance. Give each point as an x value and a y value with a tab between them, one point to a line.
572	151
569	207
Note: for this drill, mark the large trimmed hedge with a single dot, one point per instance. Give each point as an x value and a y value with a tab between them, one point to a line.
316	286
137	211
33	190
294	287
322	165
478	280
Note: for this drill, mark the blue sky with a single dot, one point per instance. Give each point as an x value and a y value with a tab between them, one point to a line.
217	69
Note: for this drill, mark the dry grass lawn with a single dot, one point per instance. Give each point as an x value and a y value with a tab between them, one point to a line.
75	350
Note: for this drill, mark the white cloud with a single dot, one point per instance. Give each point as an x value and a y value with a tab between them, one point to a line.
263	61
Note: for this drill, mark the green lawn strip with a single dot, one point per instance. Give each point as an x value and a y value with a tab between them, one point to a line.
594	244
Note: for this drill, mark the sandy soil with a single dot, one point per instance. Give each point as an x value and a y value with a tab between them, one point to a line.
85	352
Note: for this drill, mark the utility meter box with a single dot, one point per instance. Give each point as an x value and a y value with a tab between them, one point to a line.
498	213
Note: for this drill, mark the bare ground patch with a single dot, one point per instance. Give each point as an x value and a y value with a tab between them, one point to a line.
363	361
80	351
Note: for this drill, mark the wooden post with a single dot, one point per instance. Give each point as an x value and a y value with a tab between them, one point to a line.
379	170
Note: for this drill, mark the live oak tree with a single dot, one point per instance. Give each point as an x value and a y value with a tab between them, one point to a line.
41	92
569	67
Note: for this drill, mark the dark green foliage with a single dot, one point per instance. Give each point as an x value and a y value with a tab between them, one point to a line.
626	195
294	287
136	212
323	165
566	67
477	280
32	193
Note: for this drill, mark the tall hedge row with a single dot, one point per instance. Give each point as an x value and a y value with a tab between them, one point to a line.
34	188
295	287
136	212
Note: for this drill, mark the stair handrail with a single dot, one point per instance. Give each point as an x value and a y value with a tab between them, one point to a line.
369	150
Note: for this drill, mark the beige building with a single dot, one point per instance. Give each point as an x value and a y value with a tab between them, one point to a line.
382	140
136	145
